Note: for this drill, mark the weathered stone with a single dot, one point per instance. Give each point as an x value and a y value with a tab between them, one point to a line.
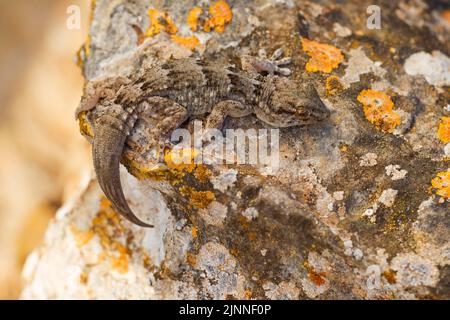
351	211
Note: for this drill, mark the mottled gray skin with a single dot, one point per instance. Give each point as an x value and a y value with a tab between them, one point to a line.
166	95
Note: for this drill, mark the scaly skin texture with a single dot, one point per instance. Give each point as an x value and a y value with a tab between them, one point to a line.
168	94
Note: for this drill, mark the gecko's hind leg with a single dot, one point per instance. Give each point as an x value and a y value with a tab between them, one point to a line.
224	109
164	116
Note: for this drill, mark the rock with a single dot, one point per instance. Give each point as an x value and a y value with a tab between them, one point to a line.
434	67
340	218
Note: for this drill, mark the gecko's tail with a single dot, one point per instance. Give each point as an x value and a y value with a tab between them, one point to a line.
106	150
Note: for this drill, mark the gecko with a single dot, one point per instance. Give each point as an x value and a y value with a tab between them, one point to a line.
167	94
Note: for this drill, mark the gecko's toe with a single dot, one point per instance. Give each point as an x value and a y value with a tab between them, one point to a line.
283	71
278	53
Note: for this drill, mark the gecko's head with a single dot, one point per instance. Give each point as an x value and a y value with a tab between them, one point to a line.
286	103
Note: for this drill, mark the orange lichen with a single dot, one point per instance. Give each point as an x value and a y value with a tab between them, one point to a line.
324	57
316	277
234	252
84	277
390	276
441	185
194	232
83	53
191	258
192	19
378	110
446	15
251	236
85	50
221	14
190	42
120	262
198	199
107	226
333	85
202	173
444	130
160	21
181	159
343	148
81	237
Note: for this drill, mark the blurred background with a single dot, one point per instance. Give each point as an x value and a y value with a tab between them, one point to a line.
43	156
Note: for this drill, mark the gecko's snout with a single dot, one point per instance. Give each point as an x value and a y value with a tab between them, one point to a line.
313	111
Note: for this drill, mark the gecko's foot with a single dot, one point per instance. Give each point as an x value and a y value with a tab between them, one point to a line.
272	65
156	150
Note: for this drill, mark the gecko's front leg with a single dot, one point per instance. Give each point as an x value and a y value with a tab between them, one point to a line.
110	135
224	109
163	116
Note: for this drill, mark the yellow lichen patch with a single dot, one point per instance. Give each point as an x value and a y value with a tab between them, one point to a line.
202	173
81	237
84	277
444	130
324	57
107	226
198	199
333	85
181	159
119	262
194	232
441	185
191	258
390	276
85	128
192	19
234	252
160	21
221	14
190	42
153	172
84	52
343	148
378	110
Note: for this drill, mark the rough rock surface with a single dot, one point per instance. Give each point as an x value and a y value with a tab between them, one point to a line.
359	207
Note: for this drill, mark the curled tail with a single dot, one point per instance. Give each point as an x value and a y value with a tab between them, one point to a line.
109	141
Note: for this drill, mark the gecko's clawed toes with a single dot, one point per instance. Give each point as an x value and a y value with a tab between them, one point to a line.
277	60
262	54
277	54
283	71
283	61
